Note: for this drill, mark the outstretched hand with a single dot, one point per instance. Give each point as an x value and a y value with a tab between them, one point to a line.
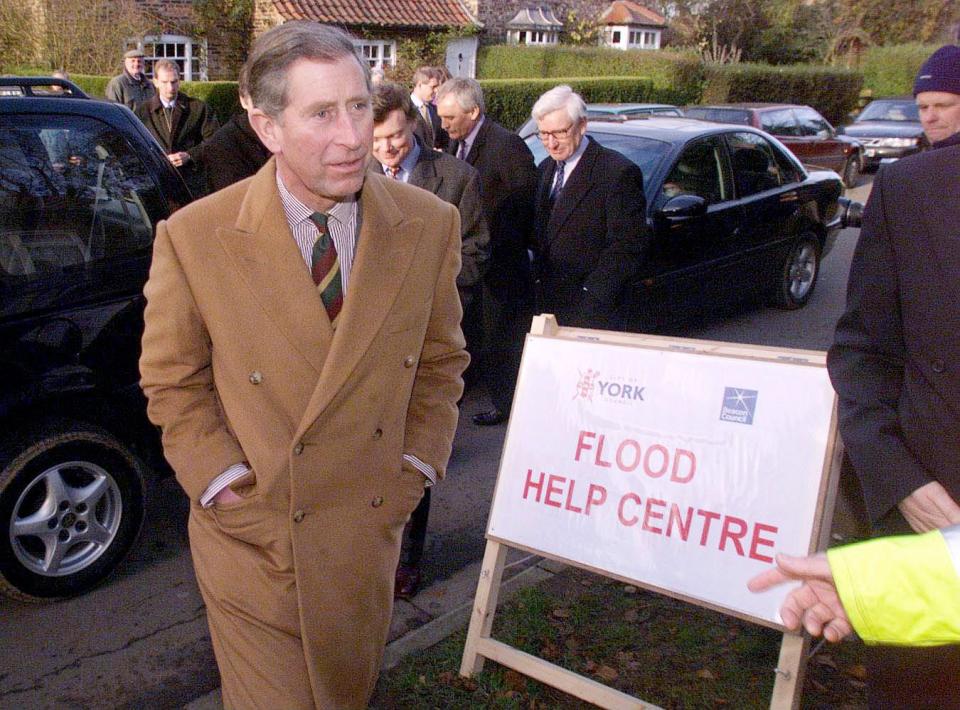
815	605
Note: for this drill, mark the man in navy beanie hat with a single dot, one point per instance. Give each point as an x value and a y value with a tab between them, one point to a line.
895	363
937	90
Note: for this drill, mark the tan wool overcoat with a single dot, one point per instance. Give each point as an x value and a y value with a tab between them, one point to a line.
240	364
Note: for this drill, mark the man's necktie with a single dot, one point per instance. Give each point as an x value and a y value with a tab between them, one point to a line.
462	150
557	182
425	113
325	267
394	172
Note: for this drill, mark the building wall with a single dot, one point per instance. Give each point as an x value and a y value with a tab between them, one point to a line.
495	14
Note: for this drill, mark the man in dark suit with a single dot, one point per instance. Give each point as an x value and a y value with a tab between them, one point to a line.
591	229
400	155
507	183
235	151
894	366
178	122
426	81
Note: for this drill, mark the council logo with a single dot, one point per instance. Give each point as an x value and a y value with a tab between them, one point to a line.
738	405
616	391
586	384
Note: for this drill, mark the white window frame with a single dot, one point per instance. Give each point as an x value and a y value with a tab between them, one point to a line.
377	53
189	54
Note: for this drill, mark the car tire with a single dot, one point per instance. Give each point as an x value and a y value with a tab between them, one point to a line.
798	276
72	502
851	172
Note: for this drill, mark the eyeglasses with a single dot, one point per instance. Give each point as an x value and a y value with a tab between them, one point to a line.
559	135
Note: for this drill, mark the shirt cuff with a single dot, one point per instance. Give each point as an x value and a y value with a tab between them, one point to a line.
428	471
238	470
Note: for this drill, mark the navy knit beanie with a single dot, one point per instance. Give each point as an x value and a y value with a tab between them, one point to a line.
941	72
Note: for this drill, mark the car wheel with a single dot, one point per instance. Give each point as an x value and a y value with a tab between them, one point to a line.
798	277
71	507
851	172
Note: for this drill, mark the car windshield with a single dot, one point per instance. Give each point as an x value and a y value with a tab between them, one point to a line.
890	111
720	115
645	152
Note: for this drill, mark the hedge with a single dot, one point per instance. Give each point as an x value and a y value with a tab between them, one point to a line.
890	71
833	92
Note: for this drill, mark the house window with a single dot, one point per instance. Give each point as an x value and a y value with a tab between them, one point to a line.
616	36
377	53
649	39
189	54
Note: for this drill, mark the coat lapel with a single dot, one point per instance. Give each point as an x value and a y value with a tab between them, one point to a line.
385	249
574	189
425	173
268	260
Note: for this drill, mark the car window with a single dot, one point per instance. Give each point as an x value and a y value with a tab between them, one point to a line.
698	171
755	169
813	124
781	122
720	115
74	194
645	152
890	111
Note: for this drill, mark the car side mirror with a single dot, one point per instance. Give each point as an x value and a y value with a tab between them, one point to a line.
682	208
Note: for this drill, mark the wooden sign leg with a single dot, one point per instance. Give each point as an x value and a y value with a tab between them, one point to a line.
484	606
790	669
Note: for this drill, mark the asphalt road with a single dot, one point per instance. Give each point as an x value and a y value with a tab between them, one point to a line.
141	639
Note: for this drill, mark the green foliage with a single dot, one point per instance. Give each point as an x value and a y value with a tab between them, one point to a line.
429	50
91	84
222	96
890	70
509	100
226	23
903	21
833	92
580	31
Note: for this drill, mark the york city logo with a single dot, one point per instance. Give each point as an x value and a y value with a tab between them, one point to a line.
618	391
738	406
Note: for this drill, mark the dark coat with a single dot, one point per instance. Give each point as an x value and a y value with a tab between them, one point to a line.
232	153
191	121
432	133
129	90
589	246
895	361
508	181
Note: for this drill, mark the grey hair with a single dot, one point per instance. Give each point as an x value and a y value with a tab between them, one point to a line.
560	97
275	51
467	92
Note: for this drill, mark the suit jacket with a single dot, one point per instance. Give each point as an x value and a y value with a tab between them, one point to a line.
232	153
240	363
456	182
508	180
191	123
895	361
431	133
589	245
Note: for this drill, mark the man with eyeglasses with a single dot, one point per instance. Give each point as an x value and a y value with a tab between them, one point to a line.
590	224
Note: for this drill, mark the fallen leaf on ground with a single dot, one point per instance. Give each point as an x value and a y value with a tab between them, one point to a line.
857	670
560	613
514	681
705	674
607	673
630	589
825	660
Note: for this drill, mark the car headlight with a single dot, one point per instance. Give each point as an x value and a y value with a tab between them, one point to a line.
899	142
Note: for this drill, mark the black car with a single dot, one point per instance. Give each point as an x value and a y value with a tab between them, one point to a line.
82	186
889	129
733	213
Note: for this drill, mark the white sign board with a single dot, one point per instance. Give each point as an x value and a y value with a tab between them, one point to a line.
682	471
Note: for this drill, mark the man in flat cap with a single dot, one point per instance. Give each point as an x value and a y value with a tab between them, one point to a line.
895	363
131	86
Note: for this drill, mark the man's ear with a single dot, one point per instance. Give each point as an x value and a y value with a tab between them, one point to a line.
474	113
267	129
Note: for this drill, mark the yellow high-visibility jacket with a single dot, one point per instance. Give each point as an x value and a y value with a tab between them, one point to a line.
902	590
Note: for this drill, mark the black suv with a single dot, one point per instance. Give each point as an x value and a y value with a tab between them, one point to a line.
82	186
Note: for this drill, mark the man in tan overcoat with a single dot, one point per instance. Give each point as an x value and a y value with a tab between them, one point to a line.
303	357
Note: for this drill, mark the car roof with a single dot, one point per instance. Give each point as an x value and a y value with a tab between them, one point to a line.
755	105
624	106
665	128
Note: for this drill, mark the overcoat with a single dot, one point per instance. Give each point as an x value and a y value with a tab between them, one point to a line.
240	364
590	243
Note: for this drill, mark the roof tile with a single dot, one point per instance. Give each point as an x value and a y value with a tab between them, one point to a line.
627	12
385	13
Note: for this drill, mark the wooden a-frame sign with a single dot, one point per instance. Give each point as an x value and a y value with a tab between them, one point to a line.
814	528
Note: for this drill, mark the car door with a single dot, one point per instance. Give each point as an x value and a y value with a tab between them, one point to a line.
690	250
766	185
824	150
76	235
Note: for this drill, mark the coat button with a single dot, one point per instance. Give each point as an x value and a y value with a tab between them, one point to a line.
256	377
298	516
377	502
378	433
409	361
938	365
298	449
